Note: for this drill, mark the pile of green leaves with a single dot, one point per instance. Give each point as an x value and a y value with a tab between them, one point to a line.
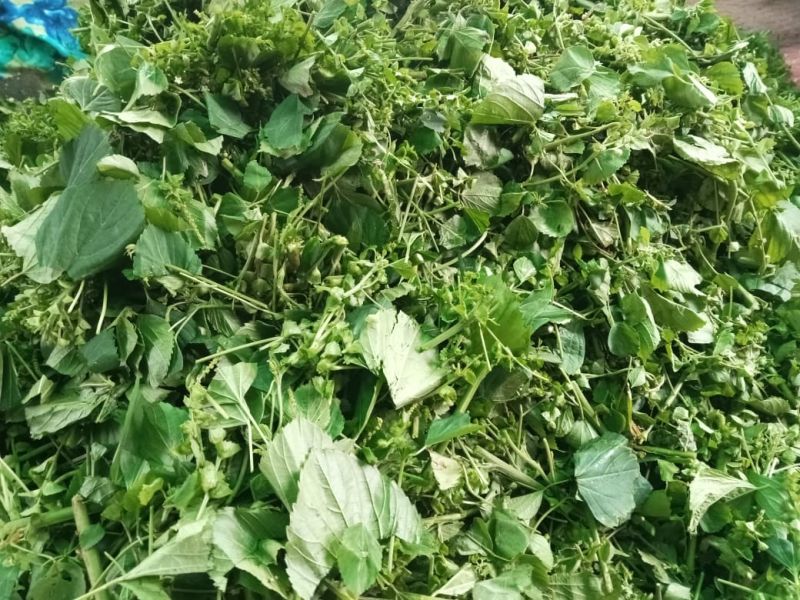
412	300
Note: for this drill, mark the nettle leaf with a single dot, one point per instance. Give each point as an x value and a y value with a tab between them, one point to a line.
118	167
286	454
89	227
782	231
715	158
243	536
22	239
359	558
677	276
284	130
554	218
228	390
605	164
335	493
225	117
70	405
482	198
297	79
390	345
79	157
640	317
671	314
710	486
445	429
607	474
516	101
159	343
575	65
158	250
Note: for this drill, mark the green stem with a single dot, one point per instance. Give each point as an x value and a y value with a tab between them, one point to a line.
442	337
576	137
91	557
464	404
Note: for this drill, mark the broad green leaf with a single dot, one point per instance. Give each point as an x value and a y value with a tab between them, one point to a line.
55	580
715	158
336	492
606	471
465	48
572	346
69	405
287	453
118	167
256	177
578	586
538	309
509	535
773	495
390	345
640	317
482	198
284	130
575	65
297	79
150	81
673	315
708	487
445	429
79	157
89	227
459	584
150	438
554	218
517	101
158	250
243	536
447	471
146	588
675	275
623	340
358	558
688	91
159	344
514	584
228	390
100	353
605	164
782	231
22	239
224	116
188	552
727	77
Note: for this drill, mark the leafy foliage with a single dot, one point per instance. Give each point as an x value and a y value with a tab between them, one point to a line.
402	300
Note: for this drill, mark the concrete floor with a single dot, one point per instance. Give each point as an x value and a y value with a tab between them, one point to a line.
781	18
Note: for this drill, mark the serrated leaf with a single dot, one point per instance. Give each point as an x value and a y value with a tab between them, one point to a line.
575	65
708	487
606	471
516	101
390	345
359	558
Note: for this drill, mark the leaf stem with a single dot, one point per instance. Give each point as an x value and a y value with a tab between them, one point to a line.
91	557
442	337
465	401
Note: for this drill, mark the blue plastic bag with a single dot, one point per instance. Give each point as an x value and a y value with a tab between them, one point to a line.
34	34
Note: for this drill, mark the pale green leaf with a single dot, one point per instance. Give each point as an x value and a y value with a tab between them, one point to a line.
710	486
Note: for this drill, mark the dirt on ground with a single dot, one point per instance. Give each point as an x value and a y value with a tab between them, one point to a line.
781	18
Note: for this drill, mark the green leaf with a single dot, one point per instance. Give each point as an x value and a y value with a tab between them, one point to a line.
482	198
450	427
100	353
606	471
708	487
297	79
668	313
287	453
727	77
188	552
578	586
554	218
22	239
158	250
150	81
89	227
224	116
146	589
159	344
256	177
118	167
228	390
389	345
284	130
68	406
243	536
79	157
517	101
336	492
782	231
359	558
605	164
713	157
678	276
572	344
623	340
514	584
575	65
509	535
